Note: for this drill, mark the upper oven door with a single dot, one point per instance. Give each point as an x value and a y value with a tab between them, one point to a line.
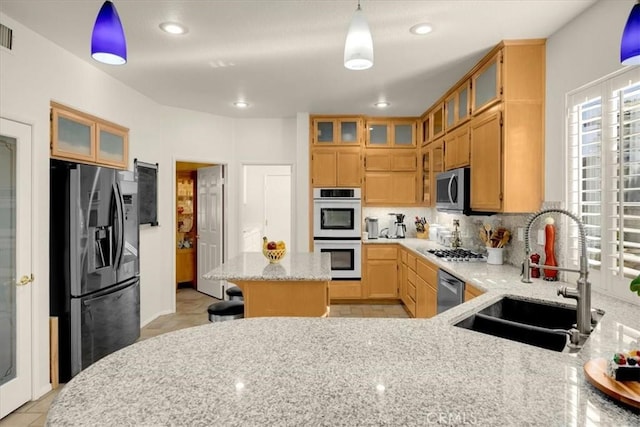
336	219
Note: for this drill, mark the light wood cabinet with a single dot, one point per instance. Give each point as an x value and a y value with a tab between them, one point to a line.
390	160
507	140
457	106
84	138
345	289
432	164
384	188
486	157
425	129
391	177
456	148
385	133
336	167
437	120
381	271
332	131
471	292
426	289
486	84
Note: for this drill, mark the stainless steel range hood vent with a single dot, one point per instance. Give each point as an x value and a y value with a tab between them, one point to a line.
6	37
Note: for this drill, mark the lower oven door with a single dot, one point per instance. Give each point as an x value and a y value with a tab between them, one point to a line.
345	257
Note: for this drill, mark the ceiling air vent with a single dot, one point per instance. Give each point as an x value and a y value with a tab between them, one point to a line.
6	37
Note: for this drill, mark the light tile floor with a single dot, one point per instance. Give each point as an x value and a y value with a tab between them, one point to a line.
191	310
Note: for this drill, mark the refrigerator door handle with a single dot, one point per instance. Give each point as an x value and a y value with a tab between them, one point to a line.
119	225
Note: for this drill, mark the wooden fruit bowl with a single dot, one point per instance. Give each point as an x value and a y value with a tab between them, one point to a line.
274	255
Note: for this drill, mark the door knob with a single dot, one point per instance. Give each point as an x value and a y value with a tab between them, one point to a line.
25	280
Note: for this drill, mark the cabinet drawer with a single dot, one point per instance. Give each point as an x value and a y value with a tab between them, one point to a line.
411	307
428	273
411	261
411	276
374	252
411	290
345	289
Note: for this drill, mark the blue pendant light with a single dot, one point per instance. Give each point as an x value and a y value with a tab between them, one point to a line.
630	44
108	44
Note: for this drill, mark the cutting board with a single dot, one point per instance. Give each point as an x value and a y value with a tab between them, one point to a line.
627	392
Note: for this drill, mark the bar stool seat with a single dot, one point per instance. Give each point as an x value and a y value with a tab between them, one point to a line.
225	310
234	293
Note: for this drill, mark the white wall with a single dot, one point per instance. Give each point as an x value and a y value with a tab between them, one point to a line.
582	51
37	71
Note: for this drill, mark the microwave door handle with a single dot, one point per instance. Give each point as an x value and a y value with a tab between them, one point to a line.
449	188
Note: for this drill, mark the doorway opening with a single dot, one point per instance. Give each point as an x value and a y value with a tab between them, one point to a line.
200	225
266	206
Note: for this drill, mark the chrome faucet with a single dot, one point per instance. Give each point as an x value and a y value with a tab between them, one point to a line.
582	292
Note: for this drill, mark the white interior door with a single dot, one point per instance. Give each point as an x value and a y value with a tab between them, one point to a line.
15	265
277	208
210	247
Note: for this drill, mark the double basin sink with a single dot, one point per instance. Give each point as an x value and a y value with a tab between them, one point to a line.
531	322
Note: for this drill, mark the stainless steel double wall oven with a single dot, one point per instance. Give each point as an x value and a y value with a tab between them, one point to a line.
337	229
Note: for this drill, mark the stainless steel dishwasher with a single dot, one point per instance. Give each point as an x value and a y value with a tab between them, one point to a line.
450	291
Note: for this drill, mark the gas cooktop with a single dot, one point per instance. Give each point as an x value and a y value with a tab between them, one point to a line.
458	254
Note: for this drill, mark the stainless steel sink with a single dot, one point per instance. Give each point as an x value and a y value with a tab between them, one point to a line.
530	322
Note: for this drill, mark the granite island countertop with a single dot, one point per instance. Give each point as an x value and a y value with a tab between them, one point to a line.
345	371
300	266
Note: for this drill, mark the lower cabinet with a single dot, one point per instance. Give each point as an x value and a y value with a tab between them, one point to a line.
381	271
185	265
471	292
426	289
345	289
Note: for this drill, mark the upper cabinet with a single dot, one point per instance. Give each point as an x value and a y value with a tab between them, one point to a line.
437	120
336	131
425	129
457	108
486	84
492	120
80	137
336	167
385	133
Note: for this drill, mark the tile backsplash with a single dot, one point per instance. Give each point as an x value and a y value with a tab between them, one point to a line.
470	227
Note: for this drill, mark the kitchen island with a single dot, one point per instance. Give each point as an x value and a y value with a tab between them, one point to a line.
296	286
345	371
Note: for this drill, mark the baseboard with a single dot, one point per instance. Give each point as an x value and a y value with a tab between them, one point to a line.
385	301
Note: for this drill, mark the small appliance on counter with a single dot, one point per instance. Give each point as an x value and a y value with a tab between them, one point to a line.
371	227
401	228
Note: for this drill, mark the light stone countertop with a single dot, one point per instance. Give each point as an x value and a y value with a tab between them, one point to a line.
353	372
301	266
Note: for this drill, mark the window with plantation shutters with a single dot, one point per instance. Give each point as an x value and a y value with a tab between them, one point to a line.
603	141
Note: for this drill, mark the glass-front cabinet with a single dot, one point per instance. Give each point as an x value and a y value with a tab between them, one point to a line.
437	121
456	109
80	137
486	84
432	164
337	131
425	129
399	133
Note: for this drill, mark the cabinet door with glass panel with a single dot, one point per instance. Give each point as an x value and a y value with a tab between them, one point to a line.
457	109
336	131
80	137
73	136
401	133
486	84
437	120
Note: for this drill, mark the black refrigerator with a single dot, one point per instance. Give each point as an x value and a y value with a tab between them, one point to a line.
94	265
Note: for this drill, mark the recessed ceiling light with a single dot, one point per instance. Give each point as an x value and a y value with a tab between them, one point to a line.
382	104
173	28
241	104
421	29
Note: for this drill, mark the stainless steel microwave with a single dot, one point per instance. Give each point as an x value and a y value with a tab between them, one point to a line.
452	191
